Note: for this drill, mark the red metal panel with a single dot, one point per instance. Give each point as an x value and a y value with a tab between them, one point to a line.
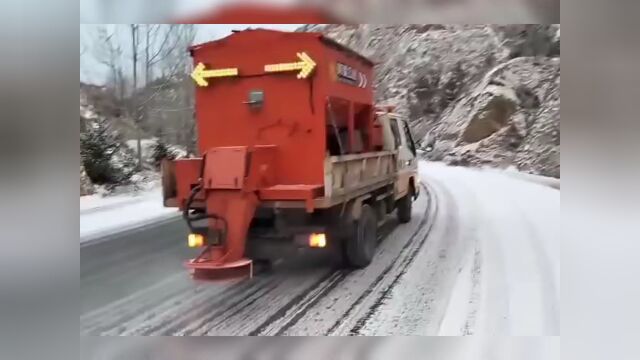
291	192
225	168
290	116
261	167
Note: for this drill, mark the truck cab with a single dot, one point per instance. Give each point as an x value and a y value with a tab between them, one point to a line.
397	137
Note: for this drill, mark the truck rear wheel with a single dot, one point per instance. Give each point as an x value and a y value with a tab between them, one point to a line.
404	208
360	249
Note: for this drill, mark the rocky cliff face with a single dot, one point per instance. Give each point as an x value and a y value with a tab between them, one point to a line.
474	95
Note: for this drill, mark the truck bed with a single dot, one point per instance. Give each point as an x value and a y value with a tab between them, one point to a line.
346	177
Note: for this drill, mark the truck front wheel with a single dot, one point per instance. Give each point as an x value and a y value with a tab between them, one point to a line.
404	208
362	245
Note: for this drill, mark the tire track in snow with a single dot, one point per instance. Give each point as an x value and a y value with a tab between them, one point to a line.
367	303
544	266
462	300
171	317
413	301
236	305
290	314
406	263
119	311
286	316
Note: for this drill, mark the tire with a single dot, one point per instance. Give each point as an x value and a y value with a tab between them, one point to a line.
361	247
404	208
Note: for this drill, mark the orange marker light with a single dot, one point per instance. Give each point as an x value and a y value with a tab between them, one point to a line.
195	240
317	240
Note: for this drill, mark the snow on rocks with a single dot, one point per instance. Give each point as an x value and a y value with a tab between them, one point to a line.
475	95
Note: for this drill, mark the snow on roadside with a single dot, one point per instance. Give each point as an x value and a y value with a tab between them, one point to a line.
100	216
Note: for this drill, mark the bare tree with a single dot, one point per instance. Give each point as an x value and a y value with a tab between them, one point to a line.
165	65
108	52
137	117
152	79
175	67
160	42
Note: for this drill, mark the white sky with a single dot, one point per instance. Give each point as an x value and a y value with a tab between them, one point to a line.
134	11
92	71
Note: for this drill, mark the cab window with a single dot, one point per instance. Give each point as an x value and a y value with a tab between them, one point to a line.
396	132
407	135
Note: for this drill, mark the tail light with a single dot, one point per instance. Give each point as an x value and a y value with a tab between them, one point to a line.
195	240
317	240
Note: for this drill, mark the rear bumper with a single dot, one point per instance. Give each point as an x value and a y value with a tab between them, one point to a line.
269	246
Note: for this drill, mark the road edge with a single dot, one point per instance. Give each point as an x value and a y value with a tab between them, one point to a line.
106	235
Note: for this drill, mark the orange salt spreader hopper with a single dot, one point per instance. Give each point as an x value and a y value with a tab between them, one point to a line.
261	113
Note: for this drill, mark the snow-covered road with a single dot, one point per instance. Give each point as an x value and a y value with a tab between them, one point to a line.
479	257
510	270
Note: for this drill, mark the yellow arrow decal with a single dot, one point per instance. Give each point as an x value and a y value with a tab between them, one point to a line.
200	74
306	65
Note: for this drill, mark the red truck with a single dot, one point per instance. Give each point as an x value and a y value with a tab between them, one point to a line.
294	153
